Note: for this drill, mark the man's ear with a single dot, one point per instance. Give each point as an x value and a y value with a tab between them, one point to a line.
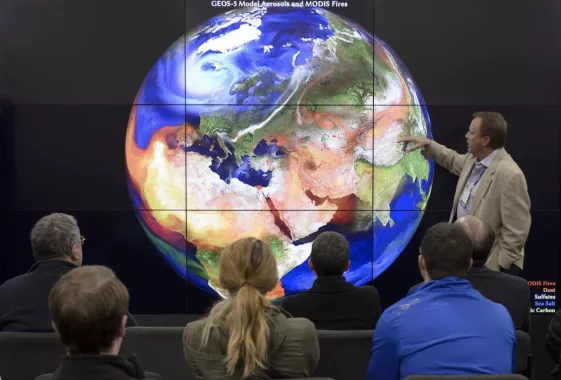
421	263
76	254
470	263
311	265
122	327
348	265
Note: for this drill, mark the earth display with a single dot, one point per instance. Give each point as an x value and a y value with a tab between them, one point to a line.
277	123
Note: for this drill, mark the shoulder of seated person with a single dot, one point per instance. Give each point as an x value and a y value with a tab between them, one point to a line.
300	332
301	329
368	287
489	302
503	310
9	284
293	297
294	300
299	324
193	328
519	281
368	290
522	282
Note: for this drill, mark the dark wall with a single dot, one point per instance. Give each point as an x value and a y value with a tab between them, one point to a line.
476	52
73	69
6	154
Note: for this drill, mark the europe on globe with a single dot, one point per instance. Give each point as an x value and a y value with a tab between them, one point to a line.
277	123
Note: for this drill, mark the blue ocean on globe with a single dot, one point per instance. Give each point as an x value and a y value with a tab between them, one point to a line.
277	123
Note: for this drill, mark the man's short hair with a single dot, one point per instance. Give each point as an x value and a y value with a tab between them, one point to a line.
482	237
87	307
330	254
447	251
494	125
53	236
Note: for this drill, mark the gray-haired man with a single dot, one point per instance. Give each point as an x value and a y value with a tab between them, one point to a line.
57	248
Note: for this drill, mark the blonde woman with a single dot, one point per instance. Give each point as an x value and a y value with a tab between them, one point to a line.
244	336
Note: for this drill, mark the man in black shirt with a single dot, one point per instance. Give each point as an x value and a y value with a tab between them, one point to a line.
333	303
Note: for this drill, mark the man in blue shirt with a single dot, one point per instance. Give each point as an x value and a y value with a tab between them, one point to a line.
444	327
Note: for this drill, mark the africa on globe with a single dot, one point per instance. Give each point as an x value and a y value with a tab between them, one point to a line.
277	123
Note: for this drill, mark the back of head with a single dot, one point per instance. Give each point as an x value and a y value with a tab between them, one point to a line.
54	236
87	307
494	125
248	270
330	254
446	251
481	235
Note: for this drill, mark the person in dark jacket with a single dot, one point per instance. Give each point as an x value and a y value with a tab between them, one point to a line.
89	307
332	302
512	292
57	247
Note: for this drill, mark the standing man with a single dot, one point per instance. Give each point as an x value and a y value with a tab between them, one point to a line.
491	186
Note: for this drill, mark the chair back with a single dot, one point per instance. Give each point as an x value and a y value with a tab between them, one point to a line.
523	352
344	354
25	356
467	377
160	350
167	320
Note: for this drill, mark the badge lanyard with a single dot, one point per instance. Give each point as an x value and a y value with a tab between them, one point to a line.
464	200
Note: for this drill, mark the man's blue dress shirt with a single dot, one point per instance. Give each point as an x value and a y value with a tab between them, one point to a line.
444	327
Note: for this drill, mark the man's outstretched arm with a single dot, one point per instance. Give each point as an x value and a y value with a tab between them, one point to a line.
445	157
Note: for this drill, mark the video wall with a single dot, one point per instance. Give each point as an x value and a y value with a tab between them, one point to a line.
171	129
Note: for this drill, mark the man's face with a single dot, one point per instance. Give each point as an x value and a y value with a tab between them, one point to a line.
475	142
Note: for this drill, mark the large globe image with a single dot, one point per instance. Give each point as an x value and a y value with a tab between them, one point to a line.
277	123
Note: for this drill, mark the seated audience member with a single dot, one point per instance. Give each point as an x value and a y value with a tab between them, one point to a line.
512	292
89	313
553	342
332	303
444	327
244	336
57	247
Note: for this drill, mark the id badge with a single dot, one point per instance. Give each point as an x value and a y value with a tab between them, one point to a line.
464	199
